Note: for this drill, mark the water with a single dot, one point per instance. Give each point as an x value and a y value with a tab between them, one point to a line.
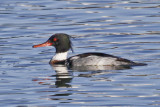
125	28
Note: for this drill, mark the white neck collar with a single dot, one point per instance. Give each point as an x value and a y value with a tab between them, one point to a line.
60	56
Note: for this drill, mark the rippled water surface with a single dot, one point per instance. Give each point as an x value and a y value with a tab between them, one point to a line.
125	28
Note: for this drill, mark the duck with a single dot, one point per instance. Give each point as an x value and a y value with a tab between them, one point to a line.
63	44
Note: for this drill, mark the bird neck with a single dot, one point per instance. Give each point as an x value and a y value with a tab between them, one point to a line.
60	56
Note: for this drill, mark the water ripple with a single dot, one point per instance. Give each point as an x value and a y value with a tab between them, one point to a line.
124	28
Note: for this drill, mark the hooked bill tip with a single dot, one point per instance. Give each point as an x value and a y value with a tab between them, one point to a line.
34	46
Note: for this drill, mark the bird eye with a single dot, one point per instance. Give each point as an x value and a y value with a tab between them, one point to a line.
54	39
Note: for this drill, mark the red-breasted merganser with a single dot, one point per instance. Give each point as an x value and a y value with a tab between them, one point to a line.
63	44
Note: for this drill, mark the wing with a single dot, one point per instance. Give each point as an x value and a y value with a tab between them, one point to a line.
98	59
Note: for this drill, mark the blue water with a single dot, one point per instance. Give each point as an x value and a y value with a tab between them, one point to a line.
125	28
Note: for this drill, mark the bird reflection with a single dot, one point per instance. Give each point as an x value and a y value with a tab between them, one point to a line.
64	77
64	74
